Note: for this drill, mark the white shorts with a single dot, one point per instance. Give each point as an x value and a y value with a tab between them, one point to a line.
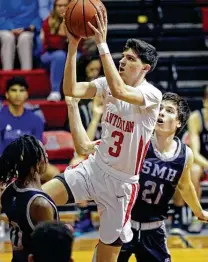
114	198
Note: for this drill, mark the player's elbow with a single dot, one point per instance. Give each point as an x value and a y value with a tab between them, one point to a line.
68	92
82	150
86	148
119	92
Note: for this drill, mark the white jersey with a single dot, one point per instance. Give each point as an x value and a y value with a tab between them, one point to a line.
126	130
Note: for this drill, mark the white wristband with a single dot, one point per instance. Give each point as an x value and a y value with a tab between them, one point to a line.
103	49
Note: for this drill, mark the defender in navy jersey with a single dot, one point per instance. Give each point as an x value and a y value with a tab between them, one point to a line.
166	167
23	201
198	141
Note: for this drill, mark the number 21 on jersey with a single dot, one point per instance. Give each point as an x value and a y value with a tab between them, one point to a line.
150	194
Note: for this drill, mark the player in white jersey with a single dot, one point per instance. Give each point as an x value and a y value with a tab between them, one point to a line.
126	130
131	107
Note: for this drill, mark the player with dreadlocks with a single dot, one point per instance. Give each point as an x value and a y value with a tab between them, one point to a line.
23	201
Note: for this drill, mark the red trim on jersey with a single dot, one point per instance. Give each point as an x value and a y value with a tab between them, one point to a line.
139	153
144	155
134	193
74	166
98	142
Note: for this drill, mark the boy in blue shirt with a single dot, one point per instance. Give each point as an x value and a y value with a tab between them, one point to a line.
15	119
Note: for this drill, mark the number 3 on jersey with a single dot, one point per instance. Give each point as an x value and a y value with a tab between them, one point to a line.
116	149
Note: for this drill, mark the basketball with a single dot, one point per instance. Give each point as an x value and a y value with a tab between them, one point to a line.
79	13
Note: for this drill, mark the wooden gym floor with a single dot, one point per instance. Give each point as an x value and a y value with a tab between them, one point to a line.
178	255
189	248
83	250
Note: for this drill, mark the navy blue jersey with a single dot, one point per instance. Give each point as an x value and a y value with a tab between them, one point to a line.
158	180
203	137
16	204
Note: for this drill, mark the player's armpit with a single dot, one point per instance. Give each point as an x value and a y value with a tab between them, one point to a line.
56	190
41	210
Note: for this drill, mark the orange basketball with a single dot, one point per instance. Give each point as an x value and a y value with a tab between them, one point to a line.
79	13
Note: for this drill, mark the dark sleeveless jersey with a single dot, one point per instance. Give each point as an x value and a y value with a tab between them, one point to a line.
158	180
16	205
203	137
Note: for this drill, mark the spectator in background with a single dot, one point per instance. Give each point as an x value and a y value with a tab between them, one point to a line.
45	8
198	141
89	68
55	47
87	48
204	16
51	242
204	11
19	24
16	120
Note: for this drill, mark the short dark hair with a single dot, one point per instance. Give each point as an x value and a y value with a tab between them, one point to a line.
51	242
19	157
146	52
17	80
182	107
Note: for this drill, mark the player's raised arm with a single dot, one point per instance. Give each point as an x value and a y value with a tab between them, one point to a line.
83	145
132	69
70	85
188	192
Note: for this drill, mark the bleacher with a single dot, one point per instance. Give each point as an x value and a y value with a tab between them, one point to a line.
173	27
